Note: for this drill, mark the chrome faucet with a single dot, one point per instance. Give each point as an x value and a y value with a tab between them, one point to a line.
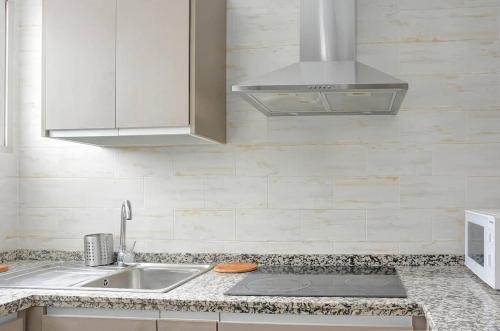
124	255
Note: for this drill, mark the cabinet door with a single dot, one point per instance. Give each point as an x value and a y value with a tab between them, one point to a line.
152	63
172	325
79	64
277	327
16	325
65	323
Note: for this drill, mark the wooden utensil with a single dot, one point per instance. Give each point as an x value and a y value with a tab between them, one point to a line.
235	267
4	268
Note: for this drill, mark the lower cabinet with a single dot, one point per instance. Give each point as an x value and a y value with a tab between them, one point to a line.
16	325
82	319
279	322
68	319
66	323
173	325
288	327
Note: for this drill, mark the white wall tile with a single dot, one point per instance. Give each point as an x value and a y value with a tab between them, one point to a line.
300	192
399	160
147	162
236	192
242	247
77	222
431	24
388	21
431	4
482	126
66	223
29	12
452	92
79	162
147	224
204	225
430	58
448	224
377	21
247	127
111	192
432	192
174	192
333	129
366	192
8	165
203	161
333	225
399	225
293	247
267	161
365	247
9	192
267	225
38	222
436	247
466	160
307	130
382	56
434	126
483	192
9	226
48	192
52	243
345	160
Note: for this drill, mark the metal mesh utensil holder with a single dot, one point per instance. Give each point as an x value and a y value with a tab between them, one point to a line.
98	249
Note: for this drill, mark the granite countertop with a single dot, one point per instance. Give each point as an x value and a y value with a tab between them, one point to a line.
450	297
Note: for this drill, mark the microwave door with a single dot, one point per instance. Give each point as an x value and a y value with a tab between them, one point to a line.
475	242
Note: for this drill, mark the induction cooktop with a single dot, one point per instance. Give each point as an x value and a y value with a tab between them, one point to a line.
370	282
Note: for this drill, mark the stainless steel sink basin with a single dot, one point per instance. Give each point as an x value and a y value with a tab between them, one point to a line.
148	277
140	277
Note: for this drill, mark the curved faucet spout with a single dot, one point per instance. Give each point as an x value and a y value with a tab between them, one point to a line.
127	210
126	215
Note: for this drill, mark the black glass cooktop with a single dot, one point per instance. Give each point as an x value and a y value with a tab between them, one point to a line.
371	282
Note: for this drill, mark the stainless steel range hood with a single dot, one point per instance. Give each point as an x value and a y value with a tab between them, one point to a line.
328	80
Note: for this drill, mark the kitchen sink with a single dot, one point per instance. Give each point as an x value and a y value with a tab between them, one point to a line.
148	277
139	277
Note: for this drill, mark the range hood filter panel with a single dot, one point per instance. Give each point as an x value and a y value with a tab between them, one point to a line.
332	103
361	101
284	103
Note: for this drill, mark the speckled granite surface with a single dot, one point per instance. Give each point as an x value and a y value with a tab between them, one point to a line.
449	296
270	259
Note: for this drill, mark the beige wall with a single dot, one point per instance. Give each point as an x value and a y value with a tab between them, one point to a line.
9	181
293	185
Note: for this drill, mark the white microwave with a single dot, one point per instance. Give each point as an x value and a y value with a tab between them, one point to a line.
482	253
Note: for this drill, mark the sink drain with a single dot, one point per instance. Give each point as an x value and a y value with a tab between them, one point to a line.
106	283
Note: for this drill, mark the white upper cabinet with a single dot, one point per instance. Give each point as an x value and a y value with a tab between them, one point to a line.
79	47
152	63
135	72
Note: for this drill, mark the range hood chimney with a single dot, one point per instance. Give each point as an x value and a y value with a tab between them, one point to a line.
328	80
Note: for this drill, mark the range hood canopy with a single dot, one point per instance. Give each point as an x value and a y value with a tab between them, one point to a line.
328	80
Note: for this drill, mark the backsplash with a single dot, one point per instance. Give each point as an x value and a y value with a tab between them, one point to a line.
317	260
389	184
